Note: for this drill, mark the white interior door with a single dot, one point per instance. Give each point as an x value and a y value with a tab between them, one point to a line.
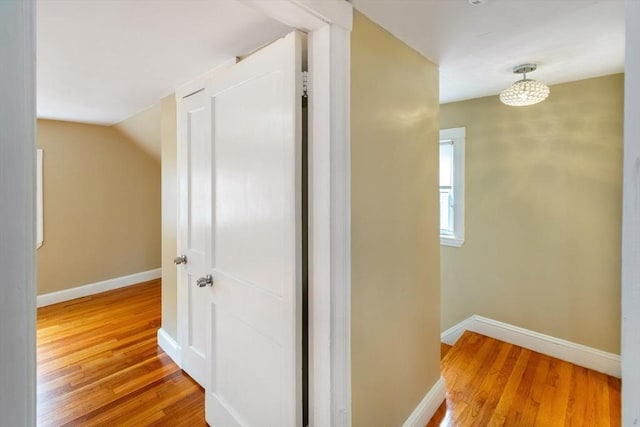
254	251
194	157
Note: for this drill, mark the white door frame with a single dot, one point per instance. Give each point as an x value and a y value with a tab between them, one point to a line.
631	222
17	213
330	228
328	25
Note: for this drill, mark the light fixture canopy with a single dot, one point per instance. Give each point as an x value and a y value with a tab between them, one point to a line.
525	91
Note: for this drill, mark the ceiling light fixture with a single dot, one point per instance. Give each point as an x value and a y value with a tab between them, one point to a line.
525	91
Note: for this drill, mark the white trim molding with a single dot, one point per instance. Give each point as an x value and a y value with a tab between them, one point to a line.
631	222
39	200
428	405
329	228
98	287
169	346
18	213
453	334
307	15
577	354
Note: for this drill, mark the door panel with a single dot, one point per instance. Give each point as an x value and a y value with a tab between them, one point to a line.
254	376
254	205
195	220
198	175
244	383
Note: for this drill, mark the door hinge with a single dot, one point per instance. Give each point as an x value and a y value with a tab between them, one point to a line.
305	84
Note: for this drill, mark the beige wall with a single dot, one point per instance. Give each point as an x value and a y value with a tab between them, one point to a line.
395	286
543	214
101	206
169	147
143	128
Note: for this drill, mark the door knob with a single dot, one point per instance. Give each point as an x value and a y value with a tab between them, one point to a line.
182	259
204	281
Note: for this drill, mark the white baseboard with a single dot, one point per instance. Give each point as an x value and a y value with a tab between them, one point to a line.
169	346
453	334
577	354
96	288
428	405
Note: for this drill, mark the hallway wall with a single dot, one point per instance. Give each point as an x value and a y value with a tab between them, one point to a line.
101	206
543	213
395	281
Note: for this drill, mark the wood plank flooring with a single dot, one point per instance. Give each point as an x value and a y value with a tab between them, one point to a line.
492	383
99	364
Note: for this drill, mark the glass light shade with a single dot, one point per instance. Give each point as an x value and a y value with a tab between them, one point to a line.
524	92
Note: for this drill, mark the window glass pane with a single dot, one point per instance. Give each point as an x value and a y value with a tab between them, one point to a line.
451	157
446	212
446	164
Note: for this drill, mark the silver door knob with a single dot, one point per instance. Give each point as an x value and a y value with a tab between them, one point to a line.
182	259
204	281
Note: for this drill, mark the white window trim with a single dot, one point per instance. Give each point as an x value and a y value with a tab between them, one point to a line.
39	200
457	135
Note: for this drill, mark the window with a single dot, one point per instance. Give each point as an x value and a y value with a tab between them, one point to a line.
452	186
39	206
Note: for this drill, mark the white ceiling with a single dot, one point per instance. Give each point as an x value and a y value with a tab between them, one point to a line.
478	46
101	61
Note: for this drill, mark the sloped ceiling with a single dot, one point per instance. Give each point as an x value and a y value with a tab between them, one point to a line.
144	129
102	61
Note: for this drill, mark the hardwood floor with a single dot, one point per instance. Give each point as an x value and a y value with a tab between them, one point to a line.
99	364
492	383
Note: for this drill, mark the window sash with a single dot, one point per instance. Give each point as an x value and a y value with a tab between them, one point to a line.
447	216
451	180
